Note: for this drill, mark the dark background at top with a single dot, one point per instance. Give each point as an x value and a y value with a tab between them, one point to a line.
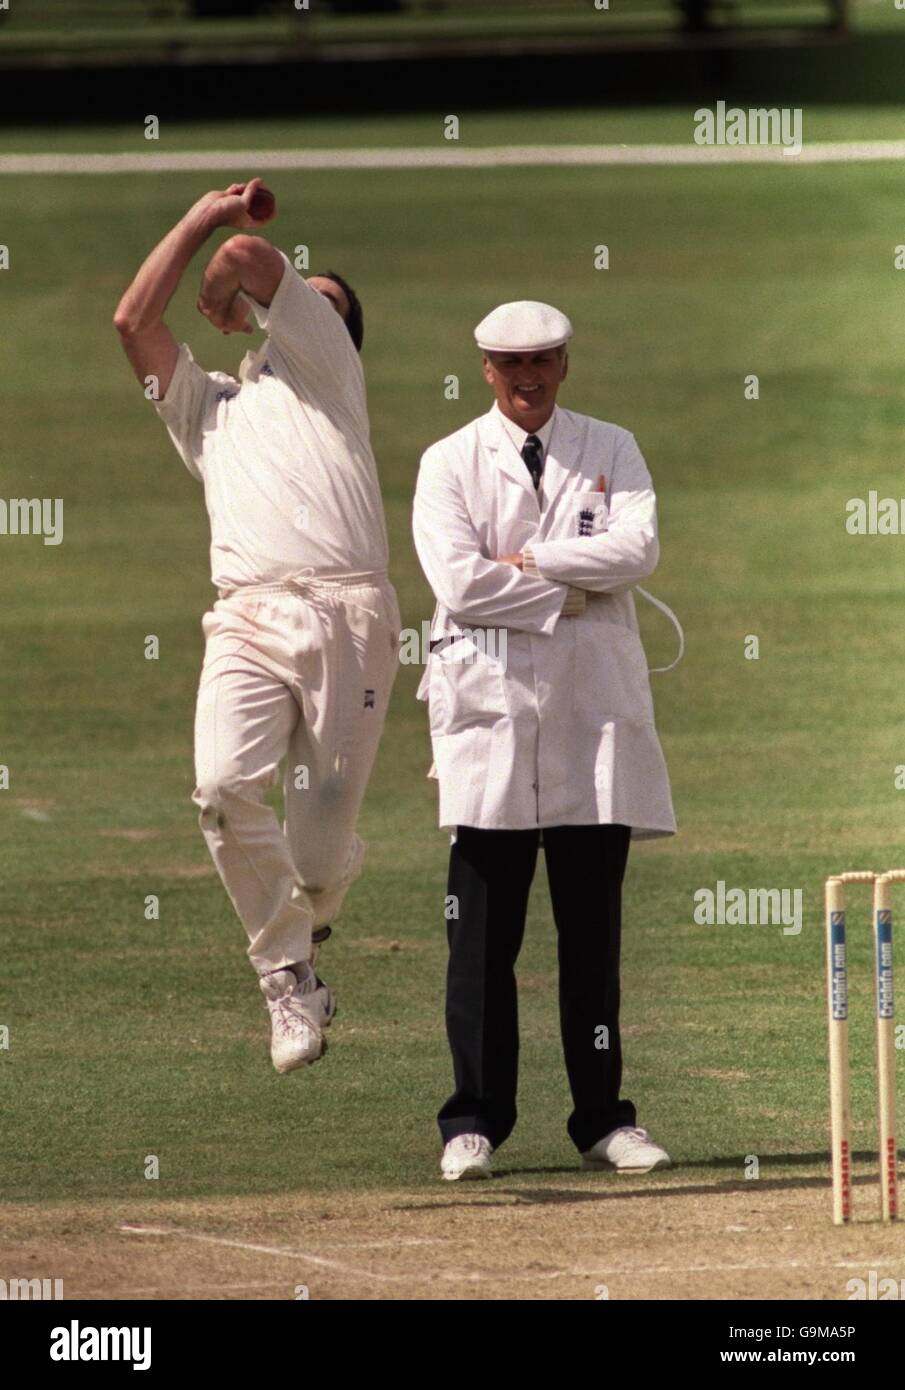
862	66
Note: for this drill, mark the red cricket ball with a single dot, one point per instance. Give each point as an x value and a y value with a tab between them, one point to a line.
262	205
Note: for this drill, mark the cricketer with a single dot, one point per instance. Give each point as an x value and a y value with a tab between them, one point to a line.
301	643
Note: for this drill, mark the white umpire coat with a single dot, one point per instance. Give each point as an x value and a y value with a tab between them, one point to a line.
543	720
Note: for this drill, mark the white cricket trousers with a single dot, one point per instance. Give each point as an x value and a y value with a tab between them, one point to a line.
301	672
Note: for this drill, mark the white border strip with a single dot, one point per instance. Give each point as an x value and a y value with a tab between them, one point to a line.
489	157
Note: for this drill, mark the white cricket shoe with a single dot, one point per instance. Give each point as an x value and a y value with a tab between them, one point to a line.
300	1010
466	1156
628	1150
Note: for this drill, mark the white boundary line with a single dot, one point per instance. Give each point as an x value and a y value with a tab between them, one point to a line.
487	157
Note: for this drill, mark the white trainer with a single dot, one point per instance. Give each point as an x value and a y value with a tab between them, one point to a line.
300	1010
628	1150
466	1156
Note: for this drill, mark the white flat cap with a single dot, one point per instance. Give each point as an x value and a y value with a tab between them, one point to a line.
523	326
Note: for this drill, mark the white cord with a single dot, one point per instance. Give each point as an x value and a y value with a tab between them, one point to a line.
664	608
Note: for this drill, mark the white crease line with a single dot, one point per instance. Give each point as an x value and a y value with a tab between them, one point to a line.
246	1245
485	157
209	1289
389	1244
375	1275
867	1261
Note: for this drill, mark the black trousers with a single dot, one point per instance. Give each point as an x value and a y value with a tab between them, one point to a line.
490	874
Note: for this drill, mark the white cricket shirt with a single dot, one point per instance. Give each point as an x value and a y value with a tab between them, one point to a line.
284	453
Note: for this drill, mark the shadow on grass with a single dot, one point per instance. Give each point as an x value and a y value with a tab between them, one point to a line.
733	1161
557	1197
554	1196
785	1160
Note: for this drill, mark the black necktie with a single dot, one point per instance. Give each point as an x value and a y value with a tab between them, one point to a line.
531	453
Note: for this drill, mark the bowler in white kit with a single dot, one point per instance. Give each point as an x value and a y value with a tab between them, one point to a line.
301	644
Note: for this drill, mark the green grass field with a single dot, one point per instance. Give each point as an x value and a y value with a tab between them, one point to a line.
131	1037
669	125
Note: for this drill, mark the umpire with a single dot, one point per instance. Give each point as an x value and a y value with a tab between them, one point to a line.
533	524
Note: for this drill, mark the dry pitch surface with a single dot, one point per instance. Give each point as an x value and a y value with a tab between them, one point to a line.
577	1237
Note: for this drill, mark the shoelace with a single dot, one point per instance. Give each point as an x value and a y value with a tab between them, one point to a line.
286	1019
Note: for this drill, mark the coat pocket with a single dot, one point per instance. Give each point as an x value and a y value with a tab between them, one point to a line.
590	514
467	687
611	679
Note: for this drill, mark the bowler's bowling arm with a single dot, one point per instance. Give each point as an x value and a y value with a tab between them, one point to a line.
244	263
147	341
139	319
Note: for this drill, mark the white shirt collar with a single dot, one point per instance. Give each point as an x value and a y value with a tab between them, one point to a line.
518	435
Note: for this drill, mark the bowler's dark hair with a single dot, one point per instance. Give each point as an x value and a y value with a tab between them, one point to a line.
355	321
